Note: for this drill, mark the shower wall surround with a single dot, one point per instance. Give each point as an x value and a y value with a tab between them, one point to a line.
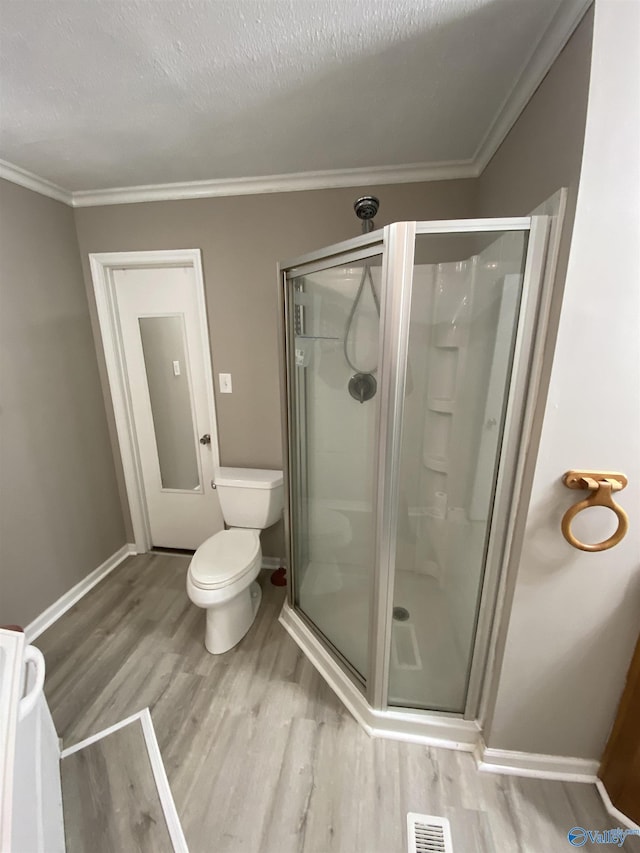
343	430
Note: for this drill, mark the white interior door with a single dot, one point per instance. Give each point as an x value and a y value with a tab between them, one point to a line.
165	349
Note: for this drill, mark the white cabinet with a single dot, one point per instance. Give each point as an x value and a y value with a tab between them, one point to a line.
30	792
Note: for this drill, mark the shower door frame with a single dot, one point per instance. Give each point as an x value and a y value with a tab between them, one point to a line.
396	243
370	245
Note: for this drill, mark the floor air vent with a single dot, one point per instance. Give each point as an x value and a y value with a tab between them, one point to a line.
428	834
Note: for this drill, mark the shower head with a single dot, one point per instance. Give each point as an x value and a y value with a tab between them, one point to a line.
366	208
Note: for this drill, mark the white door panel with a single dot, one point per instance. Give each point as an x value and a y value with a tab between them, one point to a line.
164	351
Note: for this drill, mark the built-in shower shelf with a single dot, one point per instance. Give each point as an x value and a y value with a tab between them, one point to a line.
317	338
436	463
445	345
441	404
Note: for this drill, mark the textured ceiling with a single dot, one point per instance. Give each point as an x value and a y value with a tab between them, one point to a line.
106	93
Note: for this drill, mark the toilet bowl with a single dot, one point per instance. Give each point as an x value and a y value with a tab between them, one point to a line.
222	572
221	579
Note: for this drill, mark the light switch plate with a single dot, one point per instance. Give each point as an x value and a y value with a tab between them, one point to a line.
224	382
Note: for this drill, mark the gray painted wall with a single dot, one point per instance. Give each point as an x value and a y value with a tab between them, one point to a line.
543	150
60	515
242	239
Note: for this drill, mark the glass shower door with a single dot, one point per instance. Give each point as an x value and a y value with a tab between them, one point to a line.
465	305
334	323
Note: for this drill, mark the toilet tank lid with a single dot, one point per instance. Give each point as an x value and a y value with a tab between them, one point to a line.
248	478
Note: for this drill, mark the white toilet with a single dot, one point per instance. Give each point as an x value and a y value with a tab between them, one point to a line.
223	570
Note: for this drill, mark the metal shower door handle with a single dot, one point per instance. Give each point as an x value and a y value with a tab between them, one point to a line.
205	439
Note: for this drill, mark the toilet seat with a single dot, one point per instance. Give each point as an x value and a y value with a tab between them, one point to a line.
225	558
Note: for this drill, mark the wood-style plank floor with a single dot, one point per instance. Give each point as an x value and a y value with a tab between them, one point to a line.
110	797
261	756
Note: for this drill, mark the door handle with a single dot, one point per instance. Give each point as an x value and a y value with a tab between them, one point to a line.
205	439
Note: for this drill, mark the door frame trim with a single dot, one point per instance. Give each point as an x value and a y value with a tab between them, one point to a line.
102	266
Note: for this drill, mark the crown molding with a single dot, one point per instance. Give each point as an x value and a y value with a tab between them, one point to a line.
34	182
544	54
296	182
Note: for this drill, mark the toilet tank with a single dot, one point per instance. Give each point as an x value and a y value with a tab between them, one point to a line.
250	497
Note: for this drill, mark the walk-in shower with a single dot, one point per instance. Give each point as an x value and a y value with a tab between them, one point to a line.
398	501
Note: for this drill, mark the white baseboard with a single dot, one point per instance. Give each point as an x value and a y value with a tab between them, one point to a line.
536	766
272	562
556	767
615	813
394	724
55	611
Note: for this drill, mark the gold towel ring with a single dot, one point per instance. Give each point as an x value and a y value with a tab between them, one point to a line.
601	484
